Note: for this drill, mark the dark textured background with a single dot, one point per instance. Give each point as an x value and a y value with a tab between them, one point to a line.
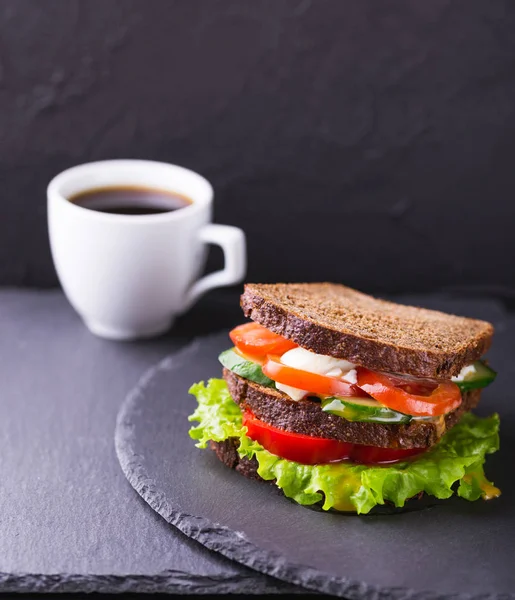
365	141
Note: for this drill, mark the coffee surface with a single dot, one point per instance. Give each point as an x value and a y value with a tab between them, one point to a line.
130	200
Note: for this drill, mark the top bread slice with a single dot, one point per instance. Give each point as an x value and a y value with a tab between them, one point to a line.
335	320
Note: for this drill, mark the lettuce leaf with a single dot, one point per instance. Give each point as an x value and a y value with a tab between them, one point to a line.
453	465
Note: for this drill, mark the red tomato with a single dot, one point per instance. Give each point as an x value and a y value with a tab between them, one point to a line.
410	396
312	382
310	450
300	448
256	340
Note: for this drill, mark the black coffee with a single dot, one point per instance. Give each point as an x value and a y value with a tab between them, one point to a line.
130	200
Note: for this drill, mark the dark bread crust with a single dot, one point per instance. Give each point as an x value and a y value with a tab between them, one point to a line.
227	452
307	417
338	321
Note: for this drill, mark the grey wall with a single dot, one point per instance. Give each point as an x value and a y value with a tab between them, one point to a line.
366	141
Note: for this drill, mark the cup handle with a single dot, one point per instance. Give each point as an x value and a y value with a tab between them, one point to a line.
232	241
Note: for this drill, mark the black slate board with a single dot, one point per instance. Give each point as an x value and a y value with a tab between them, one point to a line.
457	549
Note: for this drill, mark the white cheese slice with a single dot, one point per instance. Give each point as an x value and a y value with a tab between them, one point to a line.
351	376
335	373
305	360
314	363
292	392
463	373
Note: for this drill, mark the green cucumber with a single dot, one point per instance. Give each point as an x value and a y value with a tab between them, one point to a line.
364	410
244	368
482	376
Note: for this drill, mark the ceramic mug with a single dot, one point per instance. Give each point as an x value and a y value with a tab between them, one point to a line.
129	276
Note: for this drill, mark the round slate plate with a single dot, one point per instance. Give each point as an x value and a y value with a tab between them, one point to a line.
457	548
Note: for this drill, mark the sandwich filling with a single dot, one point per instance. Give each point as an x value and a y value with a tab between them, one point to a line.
330	463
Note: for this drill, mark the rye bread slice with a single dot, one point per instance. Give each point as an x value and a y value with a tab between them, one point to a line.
307	417
227	452
338	321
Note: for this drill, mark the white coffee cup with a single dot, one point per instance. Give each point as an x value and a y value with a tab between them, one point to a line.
129	276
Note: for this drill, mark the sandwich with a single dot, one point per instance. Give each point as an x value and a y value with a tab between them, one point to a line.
346	402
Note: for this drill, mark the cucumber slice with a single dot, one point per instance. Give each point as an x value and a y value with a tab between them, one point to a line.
244	368
363	410
482	376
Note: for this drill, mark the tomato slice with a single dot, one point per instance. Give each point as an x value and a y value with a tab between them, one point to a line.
409	396
300	448
256	340
310	450
311	382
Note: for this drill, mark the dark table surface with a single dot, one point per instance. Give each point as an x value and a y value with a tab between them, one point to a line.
69	520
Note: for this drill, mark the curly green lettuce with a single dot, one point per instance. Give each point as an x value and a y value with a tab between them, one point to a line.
453	465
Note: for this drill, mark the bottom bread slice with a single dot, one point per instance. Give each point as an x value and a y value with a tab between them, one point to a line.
227	452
